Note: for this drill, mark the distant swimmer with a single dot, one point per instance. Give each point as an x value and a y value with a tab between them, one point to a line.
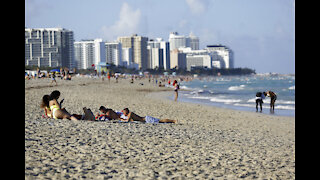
273	97
259	99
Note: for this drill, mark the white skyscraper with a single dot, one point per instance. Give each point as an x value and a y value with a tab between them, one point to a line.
193	42
114	53
89	52
176	41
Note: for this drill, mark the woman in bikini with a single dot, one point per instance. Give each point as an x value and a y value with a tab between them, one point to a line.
56	111
45	106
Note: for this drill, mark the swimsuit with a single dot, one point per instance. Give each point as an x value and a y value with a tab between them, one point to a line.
53	108
48	114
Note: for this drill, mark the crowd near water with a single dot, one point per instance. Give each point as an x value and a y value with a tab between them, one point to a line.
238	92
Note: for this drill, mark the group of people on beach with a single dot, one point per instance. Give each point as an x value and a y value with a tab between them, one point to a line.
53	109
260	96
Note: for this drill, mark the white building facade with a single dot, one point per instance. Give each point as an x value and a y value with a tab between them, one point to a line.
89	53
222	54
114	53
51	47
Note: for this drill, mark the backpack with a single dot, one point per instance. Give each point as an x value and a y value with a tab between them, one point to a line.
259	94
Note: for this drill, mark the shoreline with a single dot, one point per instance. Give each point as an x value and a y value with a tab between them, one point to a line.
169	95
207	142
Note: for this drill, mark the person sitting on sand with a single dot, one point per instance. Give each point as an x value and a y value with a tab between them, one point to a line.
53	109
131	116
57	112
45	106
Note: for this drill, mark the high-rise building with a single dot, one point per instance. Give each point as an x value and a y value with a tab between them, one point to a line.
88	53
114	53
176	41
127	58
177	59
138	44
222	54
180	41
193	42
51	47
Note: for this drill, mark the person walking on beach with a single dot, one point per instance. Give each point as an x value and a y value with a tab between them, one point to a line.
259	99
131	116
53	79
273	97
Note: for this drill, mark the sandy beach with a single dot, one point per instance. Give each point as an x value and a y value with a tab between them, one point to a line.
206	143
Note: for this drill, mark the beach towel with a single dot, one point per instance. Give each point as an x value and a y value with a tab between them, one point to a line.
150	119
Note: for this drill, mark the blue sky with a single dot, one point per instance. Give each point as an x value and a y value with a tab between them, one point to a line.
260	32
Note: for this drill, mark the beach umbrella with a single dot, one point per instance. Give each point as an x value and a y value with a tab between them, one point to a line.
55	70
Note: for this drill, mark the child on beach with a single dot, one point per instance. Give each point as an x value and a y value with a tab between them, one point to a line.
131	116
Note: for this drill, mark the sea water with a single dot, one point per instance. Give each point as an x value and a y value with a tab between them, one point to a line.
238	92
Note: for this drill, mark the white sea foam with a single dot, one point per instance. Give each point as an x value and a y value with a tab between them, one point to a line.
200	97
285	102
284	107
245	105
292	88
226	101
236	88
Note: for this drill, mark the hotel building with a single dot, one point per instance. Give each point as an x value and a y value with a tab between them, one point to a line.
51	47
138	44
88	53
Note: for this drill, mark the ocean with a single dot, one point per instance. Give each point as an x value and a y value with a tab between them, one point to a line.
238	92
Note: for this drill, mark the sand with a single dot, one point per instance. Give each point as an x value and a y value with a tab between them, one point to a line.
208	142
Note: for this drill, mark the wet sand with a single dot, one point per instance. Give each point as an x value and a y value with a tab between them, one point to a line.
208	142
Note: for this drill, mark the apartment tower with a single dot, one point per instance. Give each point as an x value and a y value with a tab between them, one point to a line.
51	47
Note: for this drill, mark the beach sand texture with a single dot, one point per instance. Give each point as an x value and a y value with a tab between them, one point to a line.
207	142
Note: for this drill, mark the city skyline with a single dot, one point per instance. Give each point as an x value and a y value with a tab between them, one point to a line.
261	33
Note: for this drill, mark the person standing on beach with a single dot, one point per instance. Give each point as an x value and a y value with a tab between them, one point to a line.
273	97
259	99
108	75
176	88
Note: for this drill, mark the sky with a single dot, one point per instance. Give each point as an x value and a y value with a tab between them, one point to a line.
261	33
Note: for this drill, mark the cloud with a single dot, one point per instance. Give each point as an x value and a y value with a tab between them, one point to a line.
197	6
127	24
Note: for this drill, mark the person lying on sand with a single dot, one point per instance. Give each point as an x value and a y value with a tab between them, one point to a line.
108	114
131	116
